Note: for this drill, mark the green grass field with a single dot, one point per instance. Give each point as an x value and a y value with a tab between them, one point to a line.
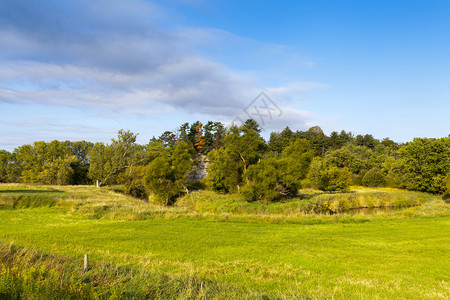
222	249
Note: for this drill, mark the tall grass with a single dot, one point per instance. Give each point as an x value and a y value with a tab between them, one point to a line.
88	201
16	198
27	201
308	202
310	207
26	273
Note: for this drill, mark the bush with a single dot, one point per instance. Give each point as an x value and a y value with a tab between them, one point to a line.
446	197
137	191
334	179
425	163
250	193
196	185
269	180
374	178
166	176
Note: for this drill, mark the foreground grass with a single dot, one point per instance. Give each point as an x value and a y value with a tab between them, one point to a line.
26	273
402	254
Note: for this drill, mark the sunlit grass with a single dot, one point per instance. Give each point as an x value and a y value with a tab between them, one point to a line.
251	254
308	202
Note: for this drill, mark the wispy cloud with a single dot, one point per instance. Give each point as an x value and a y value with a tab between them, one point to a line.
295	88
112	56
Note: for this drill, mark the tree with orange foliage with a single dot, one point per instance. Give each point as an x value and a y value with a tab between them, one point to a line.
199	137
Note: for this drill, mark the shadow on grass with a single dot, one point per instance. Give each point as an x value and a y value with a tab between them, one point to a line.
29	191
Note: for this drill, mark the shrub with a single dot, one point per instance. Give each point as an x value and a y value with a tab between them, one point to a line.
374	178
334	179
446	197
269	180
134	182
166	176
136	191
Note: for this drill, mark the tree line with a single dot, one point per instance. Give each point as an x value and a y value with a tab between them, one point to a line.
240	161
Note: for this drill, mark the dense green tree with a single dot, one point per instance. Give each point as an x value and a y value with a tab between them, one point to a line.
219	135
168	139
447	182
108	161
182	159
213	136
166	176
80	165
297	158
224	171
53	163
160	180
58	171
242	148
30	163
80	149
5	158
245	145
395	171
80	172
425	163
316	166
134	182
367	140
183	133
267	181
9	169
280	140
390	145
133	178
374	178
154	150
208	137
272	179
328	177
333	179
320	143
338	140
351	156
378	156
252	125
44	162
123	150
98	157
192	132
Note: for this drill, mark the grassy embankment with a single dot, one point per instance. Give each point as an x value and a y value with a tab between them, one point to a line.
216	246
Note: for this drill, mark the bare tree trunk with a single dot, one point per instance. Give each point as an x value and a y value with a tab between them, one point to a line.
245	169
186	189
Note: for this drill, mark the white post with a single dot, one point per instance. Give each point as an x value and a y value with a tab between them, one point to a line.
86	263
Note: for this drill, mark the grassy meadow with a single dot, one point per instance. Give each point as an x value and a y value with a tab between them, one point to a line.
212	246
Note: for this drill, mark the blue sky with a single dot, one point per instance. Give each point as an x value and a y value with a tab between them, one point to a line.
80	69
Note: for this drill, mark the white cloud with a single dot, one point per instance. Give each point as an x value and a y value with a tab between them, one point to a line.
112	57
295	88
